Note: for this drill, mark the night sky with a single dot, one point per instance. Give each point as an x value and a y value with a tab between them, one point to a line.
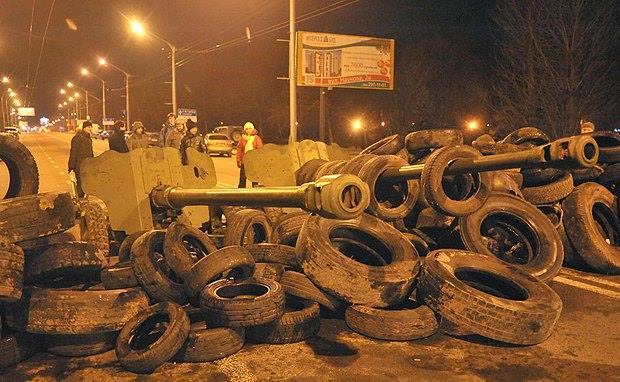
231	84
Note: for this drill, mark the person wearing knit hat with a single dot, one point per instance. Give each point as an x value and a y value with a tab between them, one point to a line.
117	138
81	148
192	139
249	141
138	139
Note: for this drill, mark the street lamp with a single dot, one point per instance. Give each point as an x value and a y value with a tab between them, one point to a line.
357	125
62	91
5	80
139	29
103	62
85	72
17	102
473	124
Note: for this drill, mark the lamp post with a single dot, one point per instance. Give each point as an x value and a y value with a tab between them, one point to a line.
104	62
85	72
86	96
138	29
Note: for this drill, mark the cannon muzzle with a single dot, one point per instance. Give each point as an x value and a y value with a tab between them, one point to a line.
337	196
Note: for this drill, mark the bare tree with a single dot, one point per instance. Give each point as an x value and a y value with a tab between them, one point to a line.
556	63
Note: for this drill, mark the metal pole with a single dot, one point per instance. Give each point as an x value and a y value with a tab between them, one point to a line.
3	115
103	101
87	113
127	101
173	54
322	92
292	74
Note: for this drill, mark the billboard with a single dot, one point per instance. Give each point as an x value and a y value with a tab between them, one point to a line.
185	114
334	60
25	111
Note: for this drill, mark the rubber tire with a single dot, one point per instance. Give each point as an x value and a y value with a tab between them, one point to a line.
23	170
432	177
387	146
275	253
549	193
432	139
244	312
209	344
526	322
11	271
34	216
38	245
157	285
592	174
239	225
330	168
408	190
293	326
177	256
119	276
271	271
353	281
124	251
288	228
527	136
534	177
79	345
17	347
405	322
611	176
354	165
72	261
306	172
95	226
167	345
546	263
216	265
299	285
63	311
589	243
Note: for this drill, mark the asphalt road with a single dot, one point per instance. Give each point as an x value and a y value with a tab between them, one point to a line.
585	345
51	152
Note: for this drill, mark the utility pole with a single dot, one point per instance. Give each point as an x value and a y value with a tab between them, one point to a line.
3	114
173	54
322	92
87	113
103	102
292	74
127	101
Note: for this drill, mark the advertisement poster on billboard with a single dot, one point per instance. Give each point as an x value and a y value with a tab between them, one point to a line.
185	114
334	60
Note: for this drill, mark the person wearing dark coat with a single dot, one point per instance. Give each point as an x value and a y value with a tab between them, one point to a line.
192	139
117	138
166	129
81	148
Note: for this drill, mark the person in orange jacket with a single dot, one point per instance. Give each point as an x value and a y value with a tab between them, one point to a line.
248	142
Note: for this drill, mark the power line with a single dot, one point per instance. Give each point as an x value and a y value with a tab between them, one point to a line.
30	42
241	40
36	73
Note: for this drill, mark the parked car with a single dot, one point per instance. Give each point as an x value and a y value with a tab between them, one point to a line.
233	133
218	144
12	131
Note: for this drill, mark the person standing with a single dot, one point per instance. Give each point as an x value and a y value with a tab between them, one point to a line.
173	139
117	138
249	141
137	139
192	139
81	148
166	128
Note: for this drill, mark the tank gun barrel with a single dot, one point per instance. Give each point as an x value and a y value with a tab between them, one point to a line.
572	152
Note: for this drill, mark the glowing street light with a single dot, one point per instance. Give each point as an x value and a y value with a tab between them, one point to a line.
71	99
103	62
60	106
137	28
70	84
473	124
85	72
65	103
12	93
5	80
17	102
62	91
76	95
356	124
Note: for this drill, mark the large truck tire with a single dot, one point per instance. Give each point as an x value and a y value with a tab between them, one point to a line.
23	170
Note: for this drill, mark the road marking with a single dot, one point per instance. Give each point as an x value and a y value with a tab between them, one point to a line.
61	173
56	166
594	279
588	287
